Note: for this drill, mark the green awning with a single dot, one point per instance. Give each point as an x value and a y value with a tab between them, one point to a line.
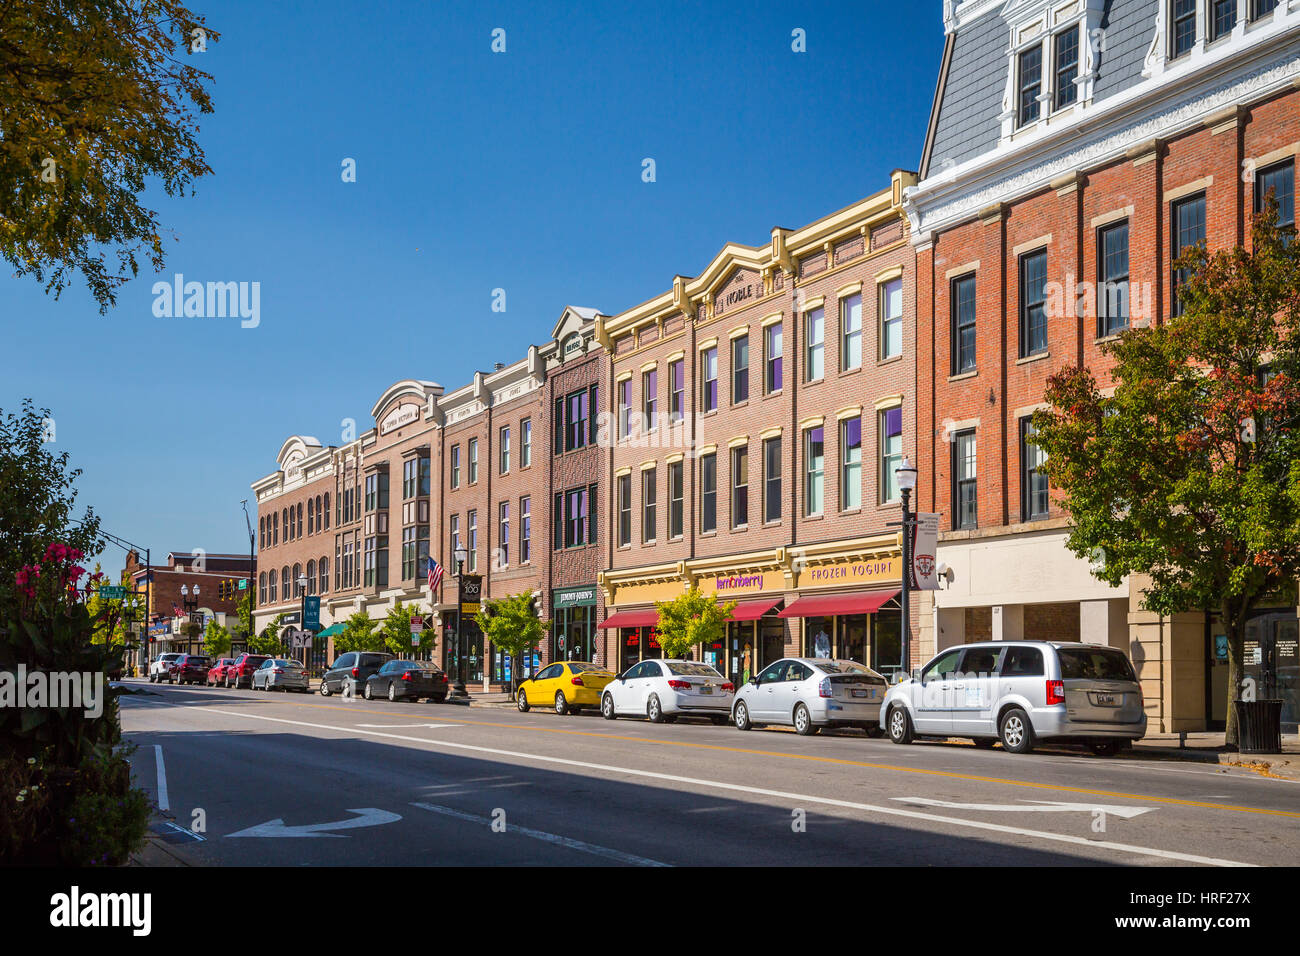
332	631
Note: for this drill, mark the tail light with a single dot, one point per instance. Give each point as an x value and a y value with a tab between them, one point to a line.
356	672
729	687
443	678
577	682
277	670
824	688
1055	692
679	684
407	675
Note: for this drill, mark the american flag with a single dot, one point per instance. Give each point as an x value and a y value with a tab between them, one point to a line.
176	612
435	573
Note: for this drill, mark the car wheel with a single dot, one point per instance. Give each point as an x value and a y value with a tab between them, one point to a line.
561	704
1103	748
366	693
985	743
900	726
521	701
654	710
324	689
719	721
803	724
740	716
1017	733
607	707
392	692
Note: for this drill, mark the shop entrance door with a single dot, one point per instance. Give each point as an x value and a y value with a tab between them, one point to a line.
771	642
1271	661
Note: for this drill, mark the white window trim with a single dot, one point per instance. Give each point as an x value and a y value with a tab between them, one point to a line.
1038	25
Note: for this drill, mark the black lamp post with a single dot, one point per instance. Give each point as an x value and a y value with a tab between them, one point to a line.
302	614
906	473
461	555
190	604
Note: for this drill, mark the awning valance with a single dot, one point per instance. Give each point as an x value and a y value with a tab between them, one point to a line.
641	617
753	610
826	605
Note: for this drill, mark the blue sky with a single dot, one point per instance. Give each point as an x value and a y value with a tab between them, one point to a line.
475	171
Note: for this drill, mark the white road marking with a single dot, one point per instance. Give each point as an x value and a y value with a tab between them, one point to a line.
759	791
395	726
162	777
370	817
1042	806
568	842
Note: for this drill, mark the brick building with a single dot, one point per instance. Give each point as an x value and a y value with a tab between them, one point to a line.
1073	150
207	580
756	415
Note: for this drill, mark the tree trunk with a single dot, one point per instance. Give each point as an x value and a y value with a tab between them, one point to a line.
1236	651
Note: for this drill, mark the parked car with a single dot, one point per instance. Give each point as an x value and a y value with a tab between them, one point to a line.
352	670
160	667
1020	693
241	671
663	690
407	680
217	672
190	669
567	686
278	673
810	693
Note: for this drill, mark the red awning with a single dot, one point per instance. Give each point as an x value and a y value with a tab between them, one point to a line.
639	618
753	610
825	605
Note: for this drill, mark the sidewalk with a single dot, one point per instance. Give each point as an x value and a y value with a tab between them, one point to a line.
1208	747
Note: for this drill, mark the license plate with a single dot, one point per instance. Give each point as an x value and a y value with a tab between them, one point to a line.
859	692
706	690
1107	700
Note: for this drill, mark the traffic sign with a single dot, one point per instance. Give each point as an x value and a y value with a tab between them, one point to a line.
243	584
112	592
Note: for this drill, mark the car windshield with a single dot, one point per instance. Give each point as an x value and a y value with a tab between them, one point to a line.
406	665
196	660
692	669
581	667
842	667
1094	663
252	659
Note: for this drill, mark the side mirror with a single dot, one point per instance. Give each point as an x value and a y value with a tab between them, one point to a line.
756	680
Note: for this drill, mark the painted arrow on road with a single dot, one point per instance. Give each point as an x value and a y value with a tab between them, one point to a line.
370	817
1042	806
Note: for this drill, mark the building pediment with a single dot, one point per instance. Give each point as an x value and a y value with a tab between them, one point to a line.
406	392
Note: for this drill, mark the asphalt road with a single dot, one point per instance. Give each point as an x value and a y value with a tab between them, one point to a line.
289	779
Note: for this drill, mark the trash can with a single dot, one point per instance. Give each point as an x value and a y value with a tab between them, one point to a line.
1259	726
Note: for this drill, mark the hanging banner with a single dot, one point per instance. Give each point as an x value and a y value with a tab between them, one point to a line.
925	543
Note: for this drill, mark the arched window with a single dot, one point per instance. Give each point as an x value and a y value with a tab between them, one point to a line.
270	588
311	576
284	582
324	575
261	588
320	516
327	511
261	532
297	573
311	517
284	520
299	525
275	528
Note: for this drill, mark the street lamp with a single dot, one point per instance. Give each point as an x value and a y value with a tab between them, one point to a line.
461	555
906	474
190	604
302	614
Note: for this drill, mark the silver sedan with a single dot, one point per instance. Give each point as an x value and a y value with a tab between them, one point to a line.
809	693
277	673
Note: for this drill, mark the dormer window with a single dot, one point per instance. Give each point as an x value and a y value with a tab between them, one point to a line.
1031	84
1065	57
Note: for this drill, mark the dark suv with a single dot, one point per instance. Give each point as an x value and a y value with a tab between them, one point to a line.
190	669
241	672
351	671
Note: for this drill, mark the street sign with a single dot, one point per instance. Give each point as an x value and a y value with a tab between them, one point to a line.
298	638
196	617
417	623
243	584
112	592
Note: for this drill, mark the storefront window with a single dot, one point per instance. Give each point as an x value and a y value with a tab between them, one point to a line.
573	634
818	636
1270	659
851	641
887	642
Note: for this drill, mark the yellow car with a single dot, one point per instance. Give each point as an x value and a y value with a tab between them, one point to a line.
568	686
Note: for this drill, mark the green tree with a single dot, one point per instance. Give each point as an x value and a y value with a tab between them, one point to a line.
360	633
36	497
268	640
245	611
217	640
395	630
689	619
1189	475
94	101
512	624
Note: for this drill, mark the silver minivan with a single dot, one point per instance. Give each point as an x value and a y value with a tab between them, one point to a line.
1021	692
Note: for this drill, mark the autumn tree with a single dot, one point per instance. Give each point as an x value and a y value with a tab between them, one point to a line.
96	98
1189	474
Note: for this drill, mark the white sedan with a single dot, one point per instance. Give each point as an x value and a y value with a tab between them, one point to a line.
663	690
809	693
